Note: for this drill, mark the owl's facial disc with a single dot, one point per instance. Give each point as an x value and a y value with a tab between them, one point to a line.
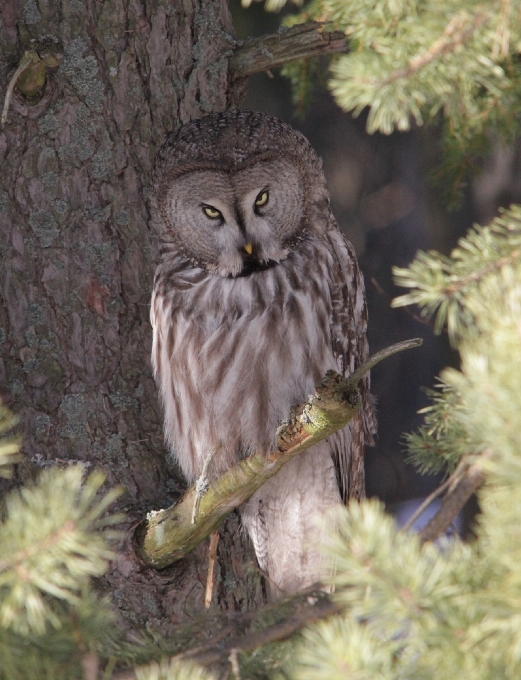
237	223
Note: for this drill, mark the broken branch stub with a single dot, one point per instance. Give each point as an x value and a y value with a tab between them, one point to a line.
301	41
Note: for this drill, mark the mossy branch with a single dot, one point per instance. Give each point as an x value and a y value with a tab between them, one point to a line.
288	44
168	535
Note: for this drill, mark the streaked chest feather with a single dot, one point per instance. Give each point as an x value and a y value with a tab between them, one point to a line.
231	356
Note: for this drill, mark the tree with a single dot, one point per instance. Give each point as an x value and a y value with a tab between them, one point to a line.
428	611
78	255
93	89
451	64
412	609
407	611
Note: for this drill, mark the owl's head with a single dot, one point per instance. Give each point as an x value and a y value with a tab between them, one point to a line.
235	191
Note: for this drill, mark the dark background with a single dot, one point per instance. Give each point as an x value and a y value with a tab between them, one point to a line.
386	205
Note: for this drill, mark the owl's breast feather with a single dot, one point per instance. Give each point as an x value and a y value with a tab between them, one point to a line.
231	356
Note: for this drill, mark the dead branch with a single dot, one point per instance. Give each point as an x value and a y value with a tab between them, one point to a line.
212	557
168	535
288	44
293	615
281	630
452	503
449	483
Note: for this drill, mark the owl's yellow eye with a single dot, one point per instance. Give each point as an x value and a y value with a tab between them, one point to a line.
212	213
262	199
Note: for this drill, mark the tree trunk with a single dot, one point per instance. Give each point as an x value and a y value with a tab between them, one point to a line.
78	256
96	87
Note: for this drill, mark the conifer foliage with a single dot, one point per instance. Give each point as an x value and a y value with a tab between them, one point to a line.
449	610
55	538
51	546
409	610
410	62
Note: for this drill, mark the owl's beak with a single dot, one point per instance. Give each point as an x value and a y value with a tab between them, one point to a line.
248	248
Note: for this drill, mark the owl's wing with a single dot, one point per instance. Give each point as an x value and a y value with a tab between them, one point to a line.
350	349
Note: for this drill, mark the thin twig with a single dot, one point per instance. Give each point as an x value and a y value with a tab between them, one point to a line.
430	498
90	665
234	663
212	556
109	668
454	529
357	375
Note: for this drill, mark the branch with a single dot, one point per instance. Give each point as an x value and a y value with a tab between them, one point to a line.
451	481
458	31
453	502
305	608
288	44
168	535
359	373
278	631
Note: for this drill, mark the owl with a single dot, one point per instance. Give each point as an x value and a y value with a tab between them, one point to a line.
256	295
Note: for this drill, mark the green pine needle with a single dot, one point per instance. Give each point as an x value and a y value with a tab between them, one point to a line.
443	286
50	545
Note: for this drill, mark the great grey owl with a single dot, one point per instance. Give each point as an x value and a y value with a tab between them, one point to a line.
257	294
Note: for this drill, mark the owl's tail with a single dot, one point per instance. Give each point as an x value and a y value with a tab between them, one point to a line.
281	521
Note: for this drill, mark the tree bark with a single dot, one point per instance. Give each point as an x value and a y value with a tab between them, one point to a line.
78	257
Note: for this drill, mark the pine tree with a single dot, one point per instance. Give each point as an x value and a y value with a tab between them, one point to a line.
415	609
54	540
409	608
453	609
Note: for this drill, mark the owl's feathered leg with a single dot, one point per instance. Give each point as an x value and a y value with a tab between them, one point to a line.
281	520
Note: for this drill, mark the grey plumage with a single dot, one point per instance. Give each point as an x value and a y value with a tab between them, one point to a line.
240	336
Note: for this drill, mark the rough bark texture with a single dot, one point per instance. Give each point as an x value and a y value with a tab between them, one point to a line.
78	257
